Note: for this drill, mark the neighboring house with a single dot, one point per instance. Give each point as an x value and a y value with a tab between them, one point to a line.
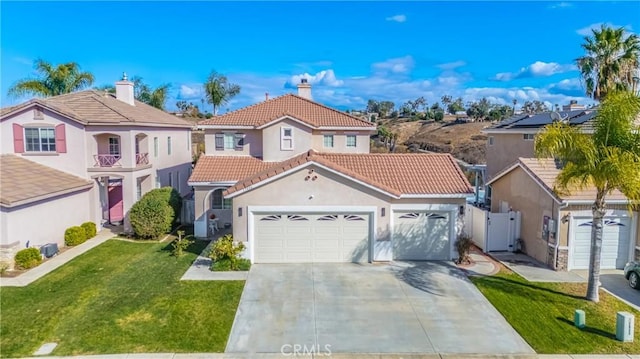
112	147
296	181
556	229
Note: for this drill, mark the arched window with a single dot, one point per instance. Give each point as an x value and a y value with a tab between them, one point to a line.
218	202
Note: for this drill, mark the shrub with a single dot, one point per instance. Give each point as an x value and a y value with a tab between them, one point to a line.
151	217
224	265
89	229
3	268
463	245
227	252
74	235
170	196
180	244
28	257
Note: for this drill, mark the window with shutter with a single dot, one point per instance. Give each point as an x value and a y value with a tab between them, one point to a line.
219	141
239	141
61	138
18	138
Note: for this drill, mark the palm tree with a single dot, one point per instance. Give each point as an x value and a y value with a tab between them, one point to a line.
608	160
153	97
611	59
219	91
52	80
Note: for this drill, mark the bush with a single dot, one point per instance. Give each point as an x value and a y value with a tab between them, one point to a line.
89	229
463	245
180	244
74	235
151	217
3	268
28	258
226	254
225	265
170	196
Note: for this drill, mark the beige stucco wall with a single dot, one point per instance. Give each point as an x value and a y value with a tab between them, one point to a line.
524	195
340	142
252	143
506	149
44	221
302	141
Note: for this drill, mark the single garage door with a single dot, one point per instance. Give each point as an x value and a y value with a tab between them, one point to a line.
421	235
615	243
304	238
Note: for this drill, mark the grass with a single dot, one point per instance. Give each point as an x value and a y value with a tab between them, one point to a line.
543	315
120	297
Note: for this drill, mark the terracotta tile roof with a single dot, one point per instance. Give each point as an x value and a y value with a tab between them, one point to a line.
226	168
25	181
96	108
397	174
545	171
311	113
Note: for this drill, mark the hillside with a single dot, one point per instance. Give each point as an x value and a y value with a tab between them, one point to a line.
463	140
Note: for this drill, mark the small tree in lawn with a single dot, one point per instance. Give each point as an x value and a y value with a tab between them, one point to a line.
608	160
151	217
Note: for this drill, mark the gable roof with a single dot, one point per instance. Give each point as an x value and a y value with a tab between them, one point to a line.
544	172
211	169
311	113
24	181
93	107
398	175
582	118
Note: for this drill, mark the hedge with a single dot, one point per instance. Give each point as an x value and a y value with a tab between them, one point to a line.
151	217
89	229
74	235
28	258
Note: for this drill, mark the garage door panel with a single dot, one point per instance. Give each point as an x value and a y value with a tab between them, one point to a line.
421	236
324	237
615	243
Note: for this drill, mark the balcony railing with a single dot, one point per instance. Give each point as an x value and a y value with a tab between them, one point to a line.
107	161
142	158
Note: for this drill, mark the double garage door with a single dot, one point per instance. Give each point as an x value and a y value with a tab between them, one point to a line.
344	237
615	243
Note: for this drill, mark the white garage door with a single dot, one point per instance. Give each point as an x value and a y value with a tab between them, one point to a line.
615	243
303	238
421	236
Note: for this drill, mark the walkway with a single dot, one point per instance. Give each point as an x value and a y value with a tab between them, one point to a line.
318	355
54	263
200	270
534	271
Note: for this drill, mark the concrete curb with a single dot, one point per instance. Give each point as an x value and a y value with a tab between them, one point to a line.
343	356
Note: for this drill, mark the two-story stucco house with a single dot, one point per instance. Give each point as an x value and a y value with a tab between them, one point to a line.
85	156
555	228
296	181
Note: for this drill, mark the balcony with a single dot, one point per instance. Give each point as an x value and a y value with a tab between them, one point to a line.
115	162
107	161
142	159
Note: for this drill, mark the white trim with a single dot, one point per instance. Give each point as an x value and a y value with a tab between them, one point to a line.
300	167
328	132
224	127
590	201
286	117
437	195
284	137
512	131
334	128
222	183
252	210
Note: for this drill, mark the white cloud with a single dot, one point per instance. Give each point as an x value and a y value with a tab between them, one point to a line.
399	65
561	5
588	30
397	18
568	84
451	65
190	92
536	69
324	77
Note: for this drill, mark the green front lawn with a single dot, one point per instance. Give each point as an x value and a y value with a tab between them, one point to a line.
120	297
543	315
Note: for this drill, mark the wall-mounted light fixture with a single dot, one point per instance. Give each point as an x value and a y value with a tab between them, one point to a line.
383	212
461	210
239	211
565	218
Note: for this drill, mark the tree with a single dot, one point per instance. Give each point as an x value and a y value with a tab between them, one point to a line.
373	106
188	108
153	97
106	88
52	80
610	60
534	106
218	90
385	108
446	101
479	110
419	103
456	106
607	160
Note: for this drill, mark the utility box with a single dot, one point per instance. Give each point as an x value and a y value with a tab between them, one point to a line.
625	322
579	318
49	250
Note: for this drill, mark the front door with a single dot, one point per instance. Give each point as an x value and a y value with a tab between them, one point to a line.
116	205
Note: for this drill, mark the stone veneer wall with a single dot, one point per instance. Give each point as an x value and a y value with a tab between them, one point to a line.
563	259
7	254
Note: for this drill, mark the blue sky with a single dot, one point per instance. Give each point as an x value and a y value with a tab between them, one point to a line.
349	51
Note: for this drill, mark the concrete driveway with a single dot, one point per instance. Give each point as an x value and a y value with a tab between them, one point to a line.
613	281
423	307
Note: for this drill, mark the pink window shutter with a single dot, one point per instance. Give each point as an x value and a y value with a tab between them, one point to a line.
61	139
18	138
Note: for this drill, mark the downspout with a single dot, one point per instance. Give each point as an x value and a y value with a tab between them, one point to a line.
562	205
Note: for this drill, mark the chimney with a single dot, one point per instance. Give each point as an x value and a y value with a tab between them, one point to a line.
124	90
304	89
266	96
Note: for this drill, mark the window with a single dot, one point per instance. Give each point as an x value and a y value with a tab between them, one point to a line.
286	138
229	141
528	136
170	179
40	139
139	188
158	182
114	146
351	140
218	202
490	140
156	147
328	140
169	145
